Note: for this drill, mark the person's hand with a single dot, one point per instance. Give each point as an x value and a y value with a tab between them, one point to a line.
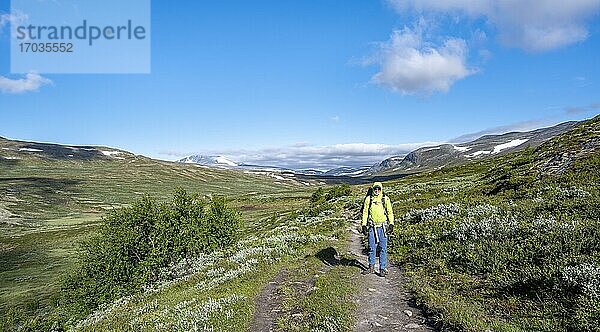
365	230
391	228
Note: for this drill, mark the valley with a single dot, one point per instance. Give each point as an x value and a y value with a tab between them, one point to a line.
507	242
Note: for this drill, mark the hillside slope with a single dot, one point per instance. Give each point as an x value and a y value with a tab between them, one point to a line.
435	157
40	181
509	243
53	196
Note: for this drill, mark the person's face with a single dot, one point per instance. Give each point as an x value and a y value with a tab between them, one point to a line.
376	190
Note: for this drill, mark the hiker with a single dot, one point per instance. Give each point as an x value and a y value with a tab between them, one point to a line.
377	215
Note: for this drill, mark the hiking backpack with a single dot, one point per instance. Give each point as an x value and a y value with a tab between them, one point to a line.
370	195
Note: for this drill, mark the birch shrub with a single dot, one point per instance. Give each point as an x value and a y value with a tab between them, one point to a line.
135	243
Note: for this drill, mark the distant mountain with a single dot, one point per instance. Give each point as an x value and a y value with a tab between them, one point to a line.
347	171
308	171
220	161
426	158
208	161
434	157
21	150
388	163
44	181
576	151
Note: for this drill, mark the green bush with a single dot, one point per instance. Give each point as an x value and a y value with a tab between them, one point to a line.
135	242
338	191
317	196
320	196
322	201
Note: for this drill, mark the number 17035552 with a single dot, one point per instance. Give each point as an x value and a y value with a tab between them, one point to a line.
46	47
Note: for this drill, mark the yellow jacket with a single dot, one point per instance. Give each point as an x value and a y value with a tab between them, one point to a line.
378	209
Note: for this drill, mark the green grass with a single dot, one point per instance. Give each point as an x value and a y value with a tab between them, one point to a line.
323	302
276	226
41	189
48	205
507	244
221	292
33	265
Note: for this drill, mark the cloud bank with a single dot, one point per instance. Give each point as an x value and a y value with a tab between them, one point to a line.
304	156
31	82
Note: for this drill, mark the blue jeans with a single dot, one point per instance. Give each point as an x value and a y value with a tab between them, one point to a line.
382	247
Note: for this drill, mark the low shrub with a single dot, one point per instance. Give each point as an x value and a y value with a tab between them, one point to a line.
134	243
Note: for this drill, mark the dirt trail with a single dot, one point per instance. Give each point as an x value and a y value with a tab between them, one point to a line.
268	306
384	304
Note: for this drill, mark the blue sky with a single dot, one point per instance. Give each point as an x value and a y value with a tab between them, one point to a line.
319	83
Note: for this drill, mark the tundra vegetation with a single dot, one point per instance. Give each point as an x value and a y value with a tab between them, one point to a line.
510	243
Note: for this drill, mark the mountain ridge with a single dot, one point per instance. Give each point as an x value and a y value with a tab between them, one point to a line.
448	154
422	159
425	158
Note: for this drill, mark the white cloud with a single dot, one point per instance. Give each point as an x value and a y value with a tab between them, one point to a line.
411	65
31	82
533	25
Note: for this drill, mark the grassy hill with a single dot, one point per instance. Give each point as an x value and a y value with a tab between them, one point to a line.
40	182
53	196
511	243
446	155
508	243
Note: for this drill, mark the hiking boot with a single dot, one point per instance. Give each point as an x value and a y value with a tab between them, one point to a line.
370	270
383	272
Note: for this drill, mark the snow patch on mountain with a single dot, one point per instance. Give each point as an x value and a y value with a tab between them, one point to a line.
278	177
478	153
461	148
509	145
208	161
110	153
498	148
358	172
431	149
223	160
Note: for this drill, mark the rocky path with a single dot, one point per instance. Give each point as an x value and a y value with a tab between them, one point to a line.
384	304
268	306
